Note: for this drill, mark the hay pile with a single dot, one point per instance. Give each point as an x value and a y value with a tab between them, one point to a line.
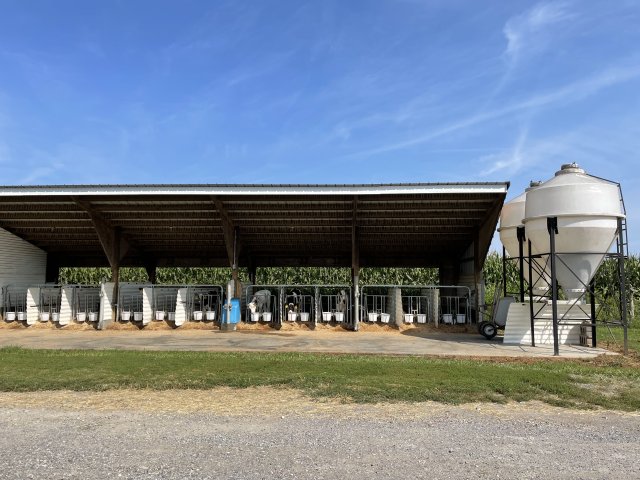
48	326
156	325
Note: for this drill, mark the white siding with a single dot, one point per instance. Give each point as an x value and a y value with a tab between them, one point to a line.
106	301
518	328
20	262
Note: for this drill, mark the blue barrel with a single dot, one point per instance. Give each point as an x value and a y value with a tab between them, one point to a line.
234	318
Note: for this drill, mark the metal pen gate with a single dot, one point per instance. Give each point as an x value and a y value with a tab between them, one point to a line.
204	302
416	303
49	302
308	304
130	301
86	303
15	302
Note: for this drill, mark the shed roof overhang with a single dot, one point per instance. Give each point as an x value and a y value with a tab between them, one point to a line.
402	225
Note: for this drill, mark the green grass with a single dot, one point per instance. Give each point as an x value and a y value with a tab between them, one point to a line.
612	383
613	338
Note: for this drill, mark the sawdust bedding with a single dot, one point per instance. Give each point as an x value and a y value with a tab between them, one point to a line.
244	326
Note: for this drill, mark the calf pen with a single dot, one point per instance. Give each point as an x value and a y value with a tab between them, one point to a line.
419	304
275	305
306	304
15	302
174	304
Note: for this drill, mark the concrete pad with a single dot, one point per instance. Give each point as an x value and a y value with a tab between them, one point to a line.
388	343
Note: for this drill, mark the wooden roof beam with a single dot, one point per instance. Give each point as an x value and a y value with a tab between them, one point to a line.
114	243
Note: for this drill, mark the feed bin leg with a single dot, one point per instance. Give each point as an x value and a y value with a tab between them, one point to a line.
552	227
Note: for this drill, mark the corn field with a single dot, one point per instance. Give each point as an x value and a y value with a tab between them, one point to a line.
605	281
264	276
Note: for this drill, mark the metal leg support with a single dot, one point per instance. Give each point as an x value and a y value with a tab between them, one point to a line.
552	227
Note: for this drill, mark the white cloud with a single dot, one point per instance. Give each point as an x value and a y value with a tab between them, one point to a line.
510	162
40	173
566	94
529	31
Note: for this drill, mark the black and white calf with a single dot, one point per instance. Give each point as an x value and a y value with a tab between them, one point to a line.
260	302
341	306
293	305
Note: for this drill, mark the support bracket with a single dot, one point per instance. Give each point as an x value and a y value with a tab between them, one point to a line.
230	232
114	243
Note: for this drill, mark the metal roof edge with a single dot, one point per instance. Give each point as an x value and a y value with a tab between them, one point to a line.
253	189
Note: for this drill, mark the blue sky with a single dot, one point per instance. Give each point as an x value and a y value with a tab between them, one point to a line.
319	92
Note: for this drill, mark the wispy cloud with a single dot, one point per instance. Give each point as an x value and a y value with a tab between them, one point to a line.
566	94
595	144
510	162
260	68
40	173
529	30
528	33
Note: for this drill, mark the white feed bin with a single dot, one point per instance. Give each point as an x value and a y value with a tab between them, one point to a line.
511	217
587	209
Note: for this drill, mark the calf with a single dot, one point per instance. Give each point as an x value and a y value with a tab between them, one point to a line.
341	303
260	302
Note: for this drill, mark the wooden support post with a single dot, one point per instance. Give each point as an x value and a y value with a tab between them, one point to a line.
52	272
152	272
231	242
114	244
252	272
477	273
355	265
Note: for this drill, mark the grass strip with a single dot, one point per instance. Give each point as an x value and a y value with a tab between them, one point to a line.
612	383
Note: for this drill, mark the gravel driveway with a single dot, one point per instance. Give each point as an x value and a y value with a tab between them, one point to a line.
289	436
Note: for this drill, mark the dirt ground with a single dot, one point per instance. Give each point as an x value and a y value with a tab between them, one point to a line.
275	401
243	326
260	433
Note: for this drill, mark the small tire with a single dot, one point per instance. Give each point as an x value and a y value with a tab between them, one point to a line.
488	330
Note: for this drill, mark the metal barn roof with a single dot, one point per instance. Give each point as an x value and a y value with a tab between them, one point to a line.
421	224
